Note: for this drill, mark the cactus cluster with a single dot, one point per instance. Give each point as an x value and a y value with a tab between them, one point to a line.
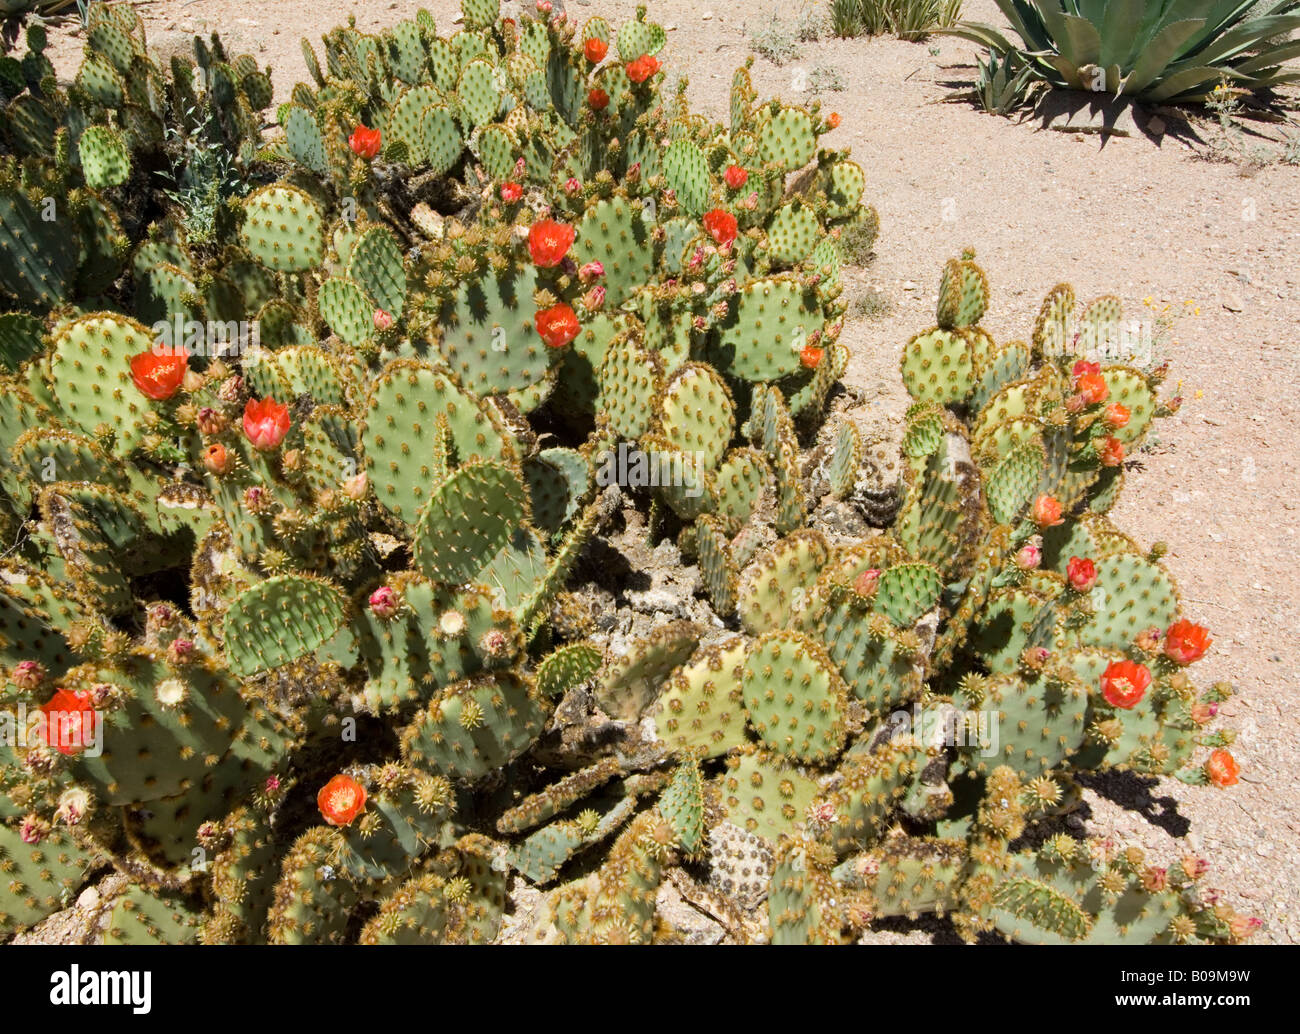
301	514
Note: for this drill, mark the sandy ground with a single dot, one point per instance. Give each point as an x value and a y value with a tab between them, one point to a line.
1145	218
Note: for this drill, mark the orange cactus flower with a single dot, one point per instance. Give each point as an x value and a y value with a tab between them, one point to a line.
557	325
266	422
1124	683
1111	452
834	120
721	226
341	800
1117	415
1093	388
160	372
217	458
642	68
549	242
595	50
736	177
598	99
68	722
1081	573
1047	512
1222	768
1186	641
811	356
365	142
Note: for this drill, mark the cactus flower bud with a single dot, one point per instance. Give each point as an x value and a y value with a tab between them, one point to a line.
572	186
231	388
1149	640
511	191
597	99
700	323
1034	657
867	582
1030	556
1155	879
356	486
1075	404
494	646
73	805
385	602
217	459
28	675
1202	713
255	498
590	271
291	460
451	623
211	421
33	830
833	120
181	651
382	319
594	299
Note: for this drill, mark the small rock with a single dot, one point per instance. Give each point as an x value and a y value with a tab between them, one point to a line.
89	898
1233	303
1156	126
706	16
911	285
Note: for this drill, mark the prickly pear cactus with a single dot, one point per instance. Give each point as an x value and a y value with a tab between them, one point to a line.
337	512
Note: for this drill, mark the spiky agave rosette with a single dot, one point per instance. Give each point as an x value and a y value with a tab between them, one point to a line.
347	602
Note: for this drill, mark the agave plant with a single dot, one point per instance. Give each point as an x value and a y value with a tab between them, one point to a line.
1164	51
1003	83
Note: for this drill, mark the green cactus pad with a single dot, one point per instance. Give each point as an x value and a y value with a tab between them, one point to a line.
280	620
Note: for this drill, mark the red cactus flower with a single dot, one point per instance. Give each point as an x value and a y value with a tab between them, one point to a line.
810	356
642	68
1081	573
549	242
735	176
159	372
1186	641
557	325
1047	512
721	225
1111	452
833	120
595	50
1222	768
266	422
365	142
1084	368
68	721
1117	415
597	99
217	459
341	800
1123	683
511	192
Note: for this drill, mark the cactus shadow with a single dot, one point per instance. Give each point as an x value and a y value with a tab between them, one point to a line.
1134	792
939	930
